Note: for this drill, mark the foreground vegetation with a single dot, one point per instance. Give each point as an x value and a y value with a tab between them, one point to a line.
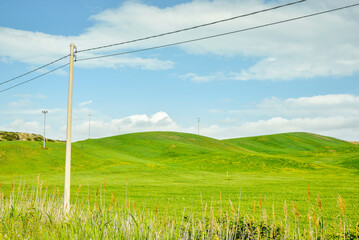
37	213
175	185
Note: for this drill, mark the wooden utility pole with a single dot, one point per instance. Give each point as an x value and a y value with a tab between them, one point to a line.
68	135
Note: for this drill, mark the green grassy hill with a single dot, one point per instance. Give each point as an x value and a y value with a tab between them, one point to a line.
314	149
281	152
177	168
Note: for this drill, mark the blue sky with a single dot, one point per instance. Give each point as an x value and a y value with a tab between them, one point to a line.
298	76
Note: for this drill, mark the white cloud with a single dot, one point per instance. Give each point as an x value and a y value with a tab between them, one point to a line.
324	45
317	106
20	125
159	121
196	78
20	103
85	103
334	115
39	48
339	127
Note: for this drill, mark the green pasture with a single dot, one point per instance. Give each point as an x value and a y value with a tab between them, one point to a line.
182	173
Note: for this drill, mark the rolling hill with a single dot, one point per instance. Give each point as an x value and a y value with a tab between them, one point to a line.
170	150
184	170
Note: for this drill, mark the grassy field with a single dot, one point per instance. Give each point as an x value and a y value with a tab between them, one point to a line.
265	178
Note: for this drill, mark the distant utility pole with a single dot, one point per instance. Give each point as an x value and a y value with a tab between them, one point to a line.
68	135
198	126
44	112
89	115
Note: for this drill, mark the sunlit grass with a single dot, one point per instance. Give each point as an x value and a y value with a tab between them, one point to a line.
37	213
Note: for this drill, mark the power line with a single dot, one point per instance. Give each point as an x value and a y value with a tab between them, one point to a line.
218	35
31	79
34	70
191	28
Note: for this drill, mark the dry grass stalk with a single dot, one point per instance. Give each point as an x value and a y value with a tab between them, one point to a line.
205	210
285	209
265	216
254	208
319	203
295	211
113	199
315	219
308	194
341	204
155	208
232	207
79	189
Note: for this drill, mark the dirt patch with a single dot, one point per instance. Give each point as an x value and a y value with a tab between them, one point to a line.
357	143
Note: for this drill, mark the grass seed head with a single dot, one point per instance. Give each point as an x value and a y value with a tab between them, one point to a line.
308	194
315	219
155	208
79	189
341	204
232	207
319	203
295	211
113	199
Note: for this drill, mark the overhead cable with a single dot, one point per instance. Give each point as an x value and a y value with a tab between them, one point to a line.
34	70
218	35
191	28
31	79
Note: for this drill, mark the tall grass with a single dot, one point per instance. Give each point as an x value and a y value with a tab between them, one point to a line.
37	213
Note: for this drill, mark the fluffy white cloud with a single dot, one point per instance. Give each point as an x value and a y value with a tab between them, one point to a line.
324	45
159	121
317	106
335	115
20	125
339	127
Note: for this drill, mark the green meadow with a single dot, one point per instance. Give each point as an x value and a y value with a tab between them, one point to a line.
300	176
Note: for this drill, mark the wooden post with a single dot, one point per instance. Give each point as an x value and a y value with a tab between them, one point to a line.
68	135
